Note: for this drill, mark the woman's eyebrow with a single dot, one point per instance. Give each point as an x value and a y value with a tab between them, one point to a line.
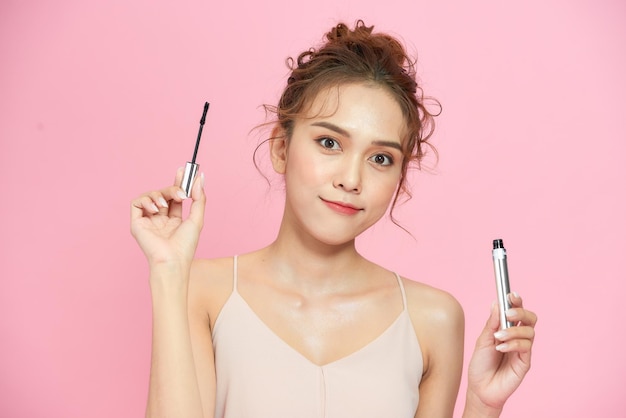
332	127
391	144
343	132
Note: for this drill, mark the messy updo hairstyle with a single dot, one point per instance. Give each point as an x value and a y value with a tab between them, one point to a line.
361	56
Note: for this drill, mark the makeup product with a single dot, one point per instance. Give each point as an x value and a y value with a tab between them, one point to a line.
502	281
191	168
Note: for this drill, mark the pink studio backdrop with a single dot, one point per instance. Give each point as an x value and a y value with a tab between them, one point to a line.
100	101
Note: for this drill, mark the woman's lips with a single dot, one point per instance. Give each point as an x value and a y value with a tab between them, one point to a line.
340	207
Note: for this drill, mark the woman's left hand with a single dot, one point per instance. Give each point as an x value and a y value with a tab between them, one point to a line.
501	358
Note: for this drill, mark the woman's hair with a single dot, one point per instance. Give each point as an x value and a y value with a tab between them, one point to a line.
360	56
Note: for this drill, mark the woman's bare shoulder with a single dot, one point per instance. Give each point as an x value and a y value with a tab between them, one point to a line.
438	321
210	285
212	269
423	299
436	314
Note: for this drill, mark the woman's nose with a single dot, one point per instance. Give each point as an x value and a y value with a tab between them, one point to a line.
348	175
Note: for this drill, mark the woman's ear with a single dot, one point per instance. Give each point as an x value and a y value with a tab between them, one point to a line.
278	149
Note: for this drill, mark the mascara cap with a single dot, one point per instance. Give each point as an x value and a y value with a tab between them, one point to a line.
191	169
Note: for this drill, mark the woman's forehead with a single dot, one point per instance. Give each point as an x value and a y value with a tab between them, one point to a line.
356	105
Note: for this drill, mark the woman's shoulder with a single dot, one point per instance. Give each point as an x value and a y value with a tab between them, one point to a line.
210	284
433	309
438	321
212	272
212	268
426	299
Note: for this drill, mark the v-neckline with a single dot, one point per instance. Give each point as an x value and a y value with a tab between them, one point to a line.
235	295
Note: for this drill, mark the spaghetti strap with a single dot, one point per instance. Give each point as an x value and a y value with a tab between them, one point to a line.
404	305
235	274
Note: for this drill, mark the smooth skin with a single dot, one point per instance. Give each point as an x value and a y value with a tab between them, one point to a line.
310	286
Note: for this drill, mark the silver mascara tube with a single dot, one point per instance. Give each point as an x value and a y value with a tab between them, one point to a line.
502	281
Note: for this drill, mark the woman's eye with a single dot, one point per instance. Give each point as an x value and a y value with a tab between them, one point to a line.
328	143
382	159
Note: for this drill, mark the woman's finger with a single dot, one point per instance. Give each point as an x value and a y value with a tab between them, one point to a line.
159	201
176	204
518	313
136	210
146	205
521	316
485	339
516	346
515	333
196	211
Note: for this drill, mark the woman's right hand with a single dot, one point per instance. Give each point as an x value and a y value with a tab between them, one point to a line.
156	223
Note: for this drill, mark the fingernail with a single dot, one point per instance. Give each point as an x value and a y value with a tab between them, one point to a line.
516	295
181	194
502	347
499	335
510	313
162	202
202	179
154	208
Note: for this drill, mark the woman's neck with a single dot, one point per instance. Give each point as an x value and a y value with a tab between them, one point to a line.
309	263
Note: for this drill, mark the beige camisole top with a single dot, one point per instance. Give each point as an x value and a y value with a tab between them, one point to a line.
261	376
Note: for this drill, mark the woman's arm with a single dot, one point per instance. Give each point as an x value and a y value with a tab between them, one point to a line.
176	330
439	324
180	330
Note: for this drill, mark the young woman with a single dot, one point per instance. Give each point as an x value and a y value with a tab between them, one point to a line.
307	327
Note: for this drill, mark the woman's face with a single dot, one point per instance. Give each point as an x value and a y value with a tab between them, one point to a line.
343	162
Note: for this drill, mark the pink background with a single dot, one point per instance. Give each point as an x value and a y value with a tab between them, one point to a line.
100	101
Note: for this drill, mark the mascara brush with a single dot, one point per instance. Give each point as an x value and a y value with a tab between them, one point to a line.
191	168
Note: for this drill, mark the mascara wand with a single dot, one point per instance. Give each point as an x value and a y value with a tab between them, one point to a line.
191	168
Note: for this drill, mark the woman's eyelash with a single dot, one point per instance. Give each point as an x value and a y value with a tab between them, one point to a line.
328	143
382	159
